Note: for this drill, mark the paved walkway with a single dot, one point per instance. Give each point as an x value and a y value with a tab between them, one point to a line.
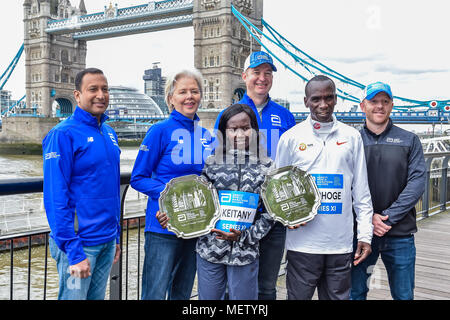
432	264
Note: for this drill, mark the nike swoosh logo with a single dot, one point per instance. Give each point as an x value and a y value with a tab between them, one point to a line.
340	143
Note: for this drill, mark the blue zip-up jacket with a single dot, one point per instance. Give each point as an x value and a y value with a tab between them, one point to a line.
274	121
171	148
82	179
397	176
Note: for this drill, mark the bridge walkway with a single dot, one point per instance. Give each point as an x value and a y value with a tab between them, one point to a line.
432	264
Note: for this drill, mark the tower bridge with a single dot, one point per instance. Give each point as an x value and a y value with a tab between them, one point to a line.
114	21
225	32
56	35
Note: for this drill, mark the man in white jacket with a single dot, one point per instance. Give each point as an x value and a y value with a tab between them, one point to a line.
319	254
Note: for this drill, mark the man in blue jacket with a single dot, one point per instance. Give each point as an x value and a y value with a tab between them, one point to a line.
82	192
397	176
273	121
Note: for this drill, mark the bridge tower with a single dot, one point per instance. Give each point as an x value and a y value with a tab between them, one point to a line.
51	61
221	45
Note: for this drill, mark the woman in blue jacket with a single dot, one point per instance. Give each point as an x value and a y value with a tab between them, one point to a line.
174	147
229	255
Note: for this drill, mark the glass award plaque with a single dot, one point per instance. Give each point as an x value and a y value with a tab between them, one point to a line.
192	204
290	195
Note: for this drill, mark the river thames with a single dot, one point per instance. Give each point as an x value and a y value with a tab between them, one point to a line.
22	166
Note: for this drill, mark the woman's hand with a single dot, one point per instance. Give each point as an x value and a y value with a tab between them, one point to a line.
233	235
163	219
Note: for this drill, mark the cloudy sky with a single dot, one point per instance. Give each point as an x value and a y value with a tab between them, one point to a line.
402	42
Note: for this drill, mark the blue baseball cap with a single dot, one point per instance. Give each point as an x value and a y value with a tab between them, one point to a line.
374	88
257	58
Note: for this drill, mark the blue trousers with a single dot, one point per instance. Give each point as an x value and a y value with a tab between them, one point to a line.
399	256
169	267
213	279
93	287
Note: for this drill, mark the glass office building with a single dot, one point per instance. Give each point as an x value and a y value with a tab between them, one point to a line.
128	102
134	110
154	84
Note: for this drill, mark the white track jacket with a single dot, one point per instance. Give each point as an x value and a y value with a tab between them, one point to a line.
339	167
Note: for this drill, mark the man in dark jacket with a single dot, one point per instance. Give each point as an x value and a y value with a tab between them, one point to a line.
397	177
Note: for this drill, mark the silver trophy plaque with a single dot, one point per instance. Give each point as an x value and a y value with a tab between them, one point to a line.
192	205
290	195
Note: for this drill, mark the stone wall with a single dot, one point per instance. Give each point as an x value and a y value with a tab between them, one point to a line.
25	129
207	119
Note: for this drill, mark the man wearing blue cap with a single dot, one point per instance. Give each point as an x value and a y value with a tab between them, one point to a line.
273	121
397	176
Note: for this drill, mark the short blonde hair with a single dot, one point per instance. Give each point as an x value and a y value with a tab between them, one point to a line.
171	83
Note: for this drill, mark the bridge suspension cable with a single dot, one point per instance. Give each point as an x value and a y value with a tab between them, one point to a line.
12	108
11	67
313	67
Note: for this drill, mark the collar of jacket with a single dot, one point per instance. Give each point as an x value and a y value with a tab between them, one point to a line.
248	101
386	130
310	120
87	118
185	121
239	152
242	154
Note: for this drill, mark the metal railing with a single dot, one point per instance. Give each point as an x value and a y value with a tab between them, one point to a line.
124	273
149	10
424	117
120	275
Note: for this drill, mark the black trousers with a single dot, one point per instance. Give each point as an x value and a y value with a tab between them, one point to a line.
329	273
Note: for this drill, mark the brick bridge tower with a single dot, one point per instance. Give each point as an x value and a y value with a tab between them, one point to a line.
221	45
51	61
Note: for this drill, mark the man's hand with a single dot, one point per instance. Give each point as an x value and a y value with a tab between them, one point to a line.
363	250
163	219
379	227
117	255
233	235
81	270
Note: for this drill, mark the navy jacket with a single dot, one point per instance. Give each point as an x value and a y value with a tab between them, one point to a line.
171	148
397	176
82	178
274	121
